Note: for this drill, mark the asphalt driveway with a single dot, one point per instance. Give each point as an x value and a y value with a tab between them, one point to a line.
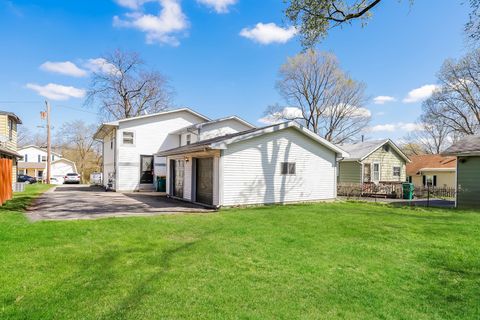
69	202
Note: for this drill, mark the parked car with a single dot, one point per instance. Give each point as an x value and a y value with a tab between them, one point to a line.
26	179
55	180
71	178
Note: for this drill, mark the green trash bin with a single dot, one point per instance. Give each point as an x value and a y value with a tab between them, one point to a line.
408	190
161	184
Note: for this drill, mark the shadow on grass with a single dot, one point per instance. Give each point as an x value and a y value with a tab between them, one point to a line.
22	200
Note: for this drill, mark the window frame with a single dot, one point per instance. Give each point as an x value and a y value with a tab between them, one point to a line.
133	139
288	168
10	129
188	139
399	171
373	172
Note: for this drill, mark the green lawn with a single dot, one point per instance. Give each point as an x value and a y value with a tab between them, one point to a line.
318	261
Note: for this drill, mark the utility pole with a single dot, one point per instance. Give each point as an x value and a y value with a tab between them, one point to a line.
49	144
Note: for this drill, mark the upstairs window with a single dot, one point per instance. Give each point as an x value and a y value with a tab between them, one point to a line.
396	171
44	158
188	139
11	127
128	138
25	158
288	168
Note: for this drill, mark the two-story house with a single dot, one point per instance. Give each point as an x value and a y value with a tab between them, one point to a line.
34	163
8	140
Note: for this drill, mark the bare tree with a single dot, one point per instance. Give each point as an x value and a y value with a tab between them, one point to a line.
26	137
76	143
433	137
472	28
321	96
124	87
456	102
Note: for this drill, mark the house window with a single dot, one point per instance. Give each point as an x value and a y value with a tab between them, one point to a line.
44	158
409	179
376	172
53	157
396	171
39	159
288	168
40	173
25	158
188	139
11	127
21	172
430	181
128	137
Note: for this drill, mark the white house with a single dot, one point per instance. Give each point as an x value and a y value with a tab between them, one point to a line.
34	163
129	145
275	164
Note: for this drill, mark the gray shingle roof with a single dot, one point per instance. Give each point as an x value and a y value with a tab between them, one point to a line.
466	145
362	149
12	115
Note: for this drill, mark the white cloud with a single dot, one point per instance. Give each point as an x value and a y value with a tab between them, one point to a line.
400	126
220	6
158	28
56	91
66	68
383	99
290	113
100	65
420	94
380	113
266	33
130	4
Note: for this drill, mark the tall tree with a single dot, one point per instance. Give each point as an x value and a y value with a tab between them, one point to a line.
456	102
26	137
76	143
432	138
472	28
321	96
314	18
125	87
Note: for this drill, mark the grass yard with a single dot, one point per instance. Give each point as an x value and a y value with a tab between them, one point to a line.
316	261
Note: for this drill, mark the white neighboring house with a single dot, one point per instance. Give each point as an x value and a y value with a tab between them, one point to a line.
34	163
129	145
275	164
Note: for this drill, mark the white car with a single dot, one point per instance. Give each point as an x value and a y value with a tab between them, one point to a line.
71	178
55	180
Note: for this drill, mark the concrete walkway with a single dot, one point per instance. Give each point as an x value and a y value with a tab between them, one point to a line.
71	202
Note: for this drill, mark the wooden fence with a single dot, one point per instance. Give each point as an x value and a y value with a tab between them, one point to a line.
5	180
383	189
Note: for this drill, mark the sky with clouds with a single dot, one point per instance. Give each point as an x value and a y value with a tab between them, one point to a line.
221	56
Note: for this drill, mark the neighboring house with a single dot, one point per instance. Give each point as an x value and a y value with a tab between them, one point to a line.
275	164
467	151
373	161
129	145
34	163
432	170
8	140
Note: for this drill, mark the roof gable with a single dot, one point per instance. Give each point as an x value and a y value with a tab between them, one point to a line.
469	145
223	141
38	148
361	150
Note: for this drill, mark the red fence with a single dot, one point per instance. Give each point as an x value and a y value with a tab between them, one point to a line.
5	180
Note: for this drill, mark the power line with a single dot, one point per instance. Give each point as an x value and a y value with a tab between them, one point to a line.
41	102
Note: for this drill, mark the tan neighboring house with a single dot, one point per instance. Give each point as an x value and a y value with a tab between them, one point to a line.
432	170
376	161
8	139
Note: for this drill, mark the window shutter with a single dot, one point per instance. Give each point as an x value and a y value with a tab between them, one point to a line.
39	158
424	180
434	181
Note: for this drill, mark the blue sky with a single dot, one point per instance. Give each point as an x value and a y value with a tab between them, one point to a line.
214	67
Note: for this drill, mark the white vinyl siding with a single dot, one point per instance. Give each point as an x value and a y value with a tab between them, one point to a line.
152	135
251	170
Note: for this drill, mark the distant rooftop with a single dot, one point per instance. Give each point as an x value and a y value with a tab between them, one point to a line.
469	145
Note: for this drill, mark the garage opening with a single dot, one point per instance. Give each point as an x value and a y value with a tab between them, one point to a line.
204	180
